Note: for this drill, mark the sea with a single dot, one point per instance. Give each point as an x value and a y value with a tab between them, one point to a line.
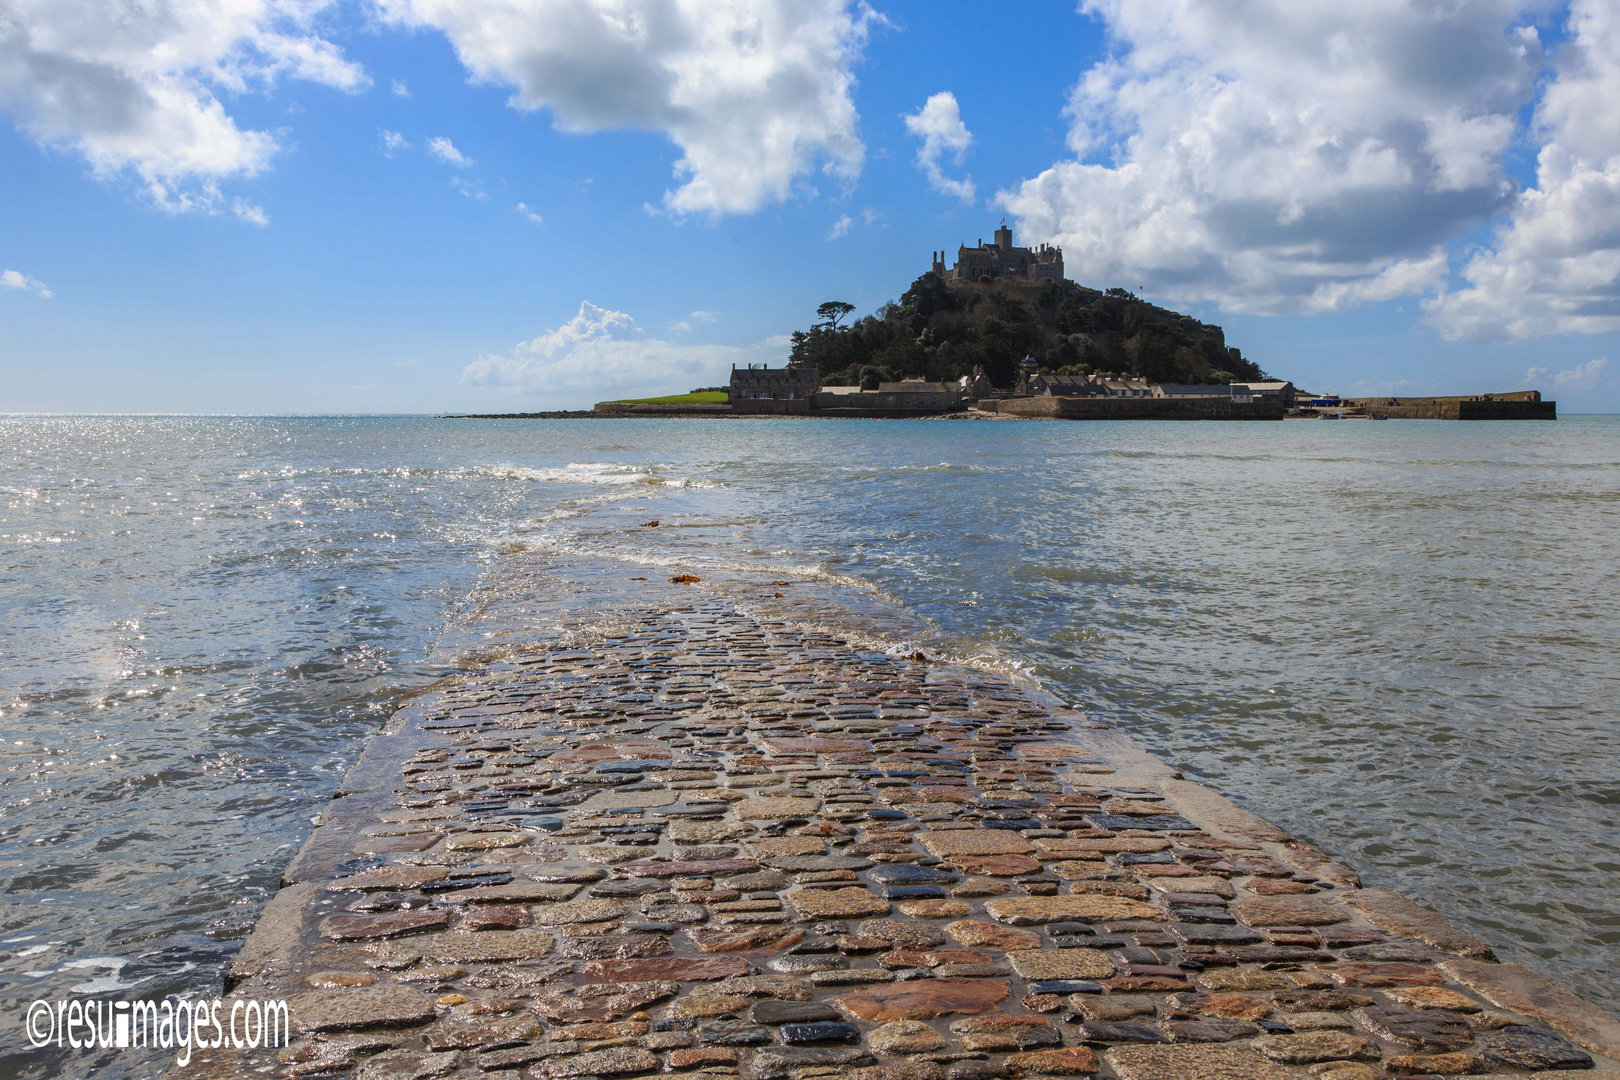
1399	640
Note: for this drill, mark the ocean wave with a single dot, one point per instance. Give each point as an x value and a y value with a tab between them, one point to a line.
592	472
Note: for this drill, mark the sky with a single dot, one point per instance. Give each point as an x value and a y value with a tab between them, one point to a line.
266	206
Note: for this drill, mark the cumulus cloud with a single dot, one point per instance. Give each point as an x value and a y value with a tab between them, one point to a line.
16	279
939	125
1554	266
1580	378
400	89
601	351
1279	156
755	93
393	142
840	228
445	150
133	88
530	214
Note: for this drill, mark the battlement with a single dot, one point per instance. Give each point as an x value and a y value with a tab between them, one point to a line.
992	262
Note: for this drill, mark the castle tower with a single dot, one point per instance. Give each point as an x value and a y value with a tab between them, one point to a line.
1004	238
939	262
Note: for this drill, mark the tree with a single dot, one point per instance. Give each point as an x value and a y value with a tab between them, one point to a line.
832	311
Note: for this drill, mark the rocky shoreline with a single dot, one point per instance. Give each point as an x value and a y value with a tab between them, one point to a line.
707	828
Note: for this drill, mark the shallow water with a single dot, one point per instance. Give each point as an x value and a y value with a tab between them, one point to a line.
1396	639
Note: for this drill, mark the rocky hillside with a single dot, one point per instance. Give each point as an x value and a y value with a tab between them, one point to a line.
941	329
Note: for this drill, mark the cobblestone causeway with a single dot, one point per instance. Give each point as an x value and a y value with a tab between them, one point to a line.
686	830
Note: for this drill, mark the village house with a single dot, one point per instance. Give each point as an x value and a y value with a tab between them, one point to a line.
761	383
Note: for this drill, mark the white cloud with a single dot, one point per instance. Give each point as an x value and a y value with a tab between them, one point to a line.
1554	267
132	87
400	89
755	93
840	227
529	214
684	326
601	352
1279	155
468	188
1582	378
394	142
16	279
939	125
445	150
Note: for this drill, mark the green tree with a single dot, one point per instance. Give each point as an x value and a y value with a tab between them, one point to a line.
832	311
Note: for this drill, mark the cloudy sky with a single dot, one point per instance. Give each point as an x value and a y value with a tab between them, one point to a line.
417	205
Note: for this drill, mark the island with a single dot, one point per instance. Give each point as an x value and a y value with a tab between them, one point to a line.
1004	333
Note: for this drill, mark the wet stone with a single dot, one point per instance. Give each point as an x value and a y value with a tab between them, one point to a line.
494	917
407	1065
1041	964
1264	911
1292	1000
619	946
580	911
812	864
487	948
1313	1046
914	892
837	903
1454	1064
924	999
1377	975
1208	1031
1197	1063
687	869
1070	1061
935	909
976	933
1119	1033
1524	1047
907	874
617	1061
975	842
335	980
1028	911
779	1062
683	969
1243	979
905	1037
733	1033
1429	1031
465	1033
1003	1033
825	1032
903	933
353	1010
793	1012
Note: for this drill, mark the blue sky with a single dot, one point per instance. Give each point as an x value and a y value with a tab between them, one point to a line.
256	212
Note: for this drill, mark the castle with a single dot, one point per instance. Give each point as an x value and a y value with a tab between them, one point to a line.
988	262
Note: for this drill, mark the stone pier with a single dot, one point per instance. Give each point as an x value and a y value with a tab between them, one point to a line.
698	828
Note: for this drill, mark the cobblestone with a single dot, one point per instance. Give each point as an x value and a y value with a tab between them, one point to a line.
693	832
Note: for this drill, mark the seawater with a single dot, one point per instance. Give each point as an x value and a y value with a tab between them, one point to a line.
1396	639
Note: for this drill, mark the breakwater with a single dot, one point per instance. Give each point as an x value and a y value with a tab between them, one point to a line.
1518	405
742	825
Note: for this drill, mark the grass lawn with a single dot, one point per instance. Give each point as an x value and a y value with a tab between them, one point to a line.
710	397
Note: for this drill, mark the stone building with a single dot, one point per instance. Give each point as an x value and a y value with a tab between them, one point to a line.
990	262
773	384
1103	384
773	390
